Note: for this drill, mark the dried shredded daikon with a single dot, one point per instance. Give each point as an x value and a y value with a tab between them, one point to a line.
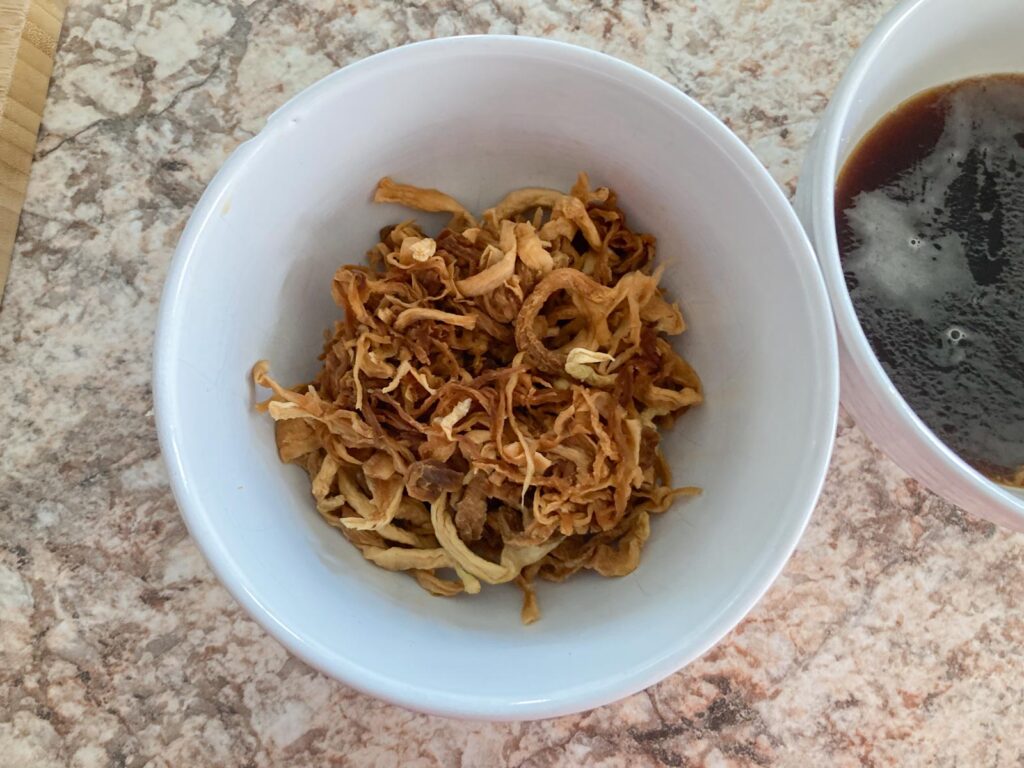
489	404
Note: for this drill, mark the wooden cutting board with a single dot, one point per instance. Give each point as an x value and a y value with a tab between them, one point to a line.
29	31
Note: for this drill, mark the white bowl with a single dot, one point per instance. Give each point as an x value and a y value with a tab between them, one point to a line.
478	117
920	44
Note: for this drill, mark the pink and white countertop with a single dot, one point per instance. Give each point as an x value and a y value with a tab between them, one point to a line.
894	637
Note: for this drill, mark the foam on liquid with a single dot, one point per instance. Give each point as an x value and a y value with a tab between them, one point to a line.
930	217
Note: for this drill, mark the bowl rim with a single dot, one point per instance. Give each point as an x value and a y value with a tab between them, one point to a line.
602	688
1009	508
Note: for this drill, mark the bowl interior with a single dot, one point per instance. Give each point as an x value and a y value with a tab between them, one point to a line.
252	280
931	42
936	42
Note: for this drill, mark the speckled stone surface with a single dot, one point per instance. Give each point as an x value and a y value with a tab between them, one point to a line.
894	637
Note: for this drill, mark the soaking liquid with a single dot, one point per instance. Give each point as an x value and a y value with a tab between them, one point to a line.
930	223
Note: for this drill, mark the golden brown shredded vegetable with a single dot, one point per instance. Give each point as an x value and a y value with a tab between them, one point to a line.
489	405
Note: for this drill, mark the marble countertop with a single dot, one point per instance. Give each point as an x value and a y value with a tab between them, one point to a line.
895	636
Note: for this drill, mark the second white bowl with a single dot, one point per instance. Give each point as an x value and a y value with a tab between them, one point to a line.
920	44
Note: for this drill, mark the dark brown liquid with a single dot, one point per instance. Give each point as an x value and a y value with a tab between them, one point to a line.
930	221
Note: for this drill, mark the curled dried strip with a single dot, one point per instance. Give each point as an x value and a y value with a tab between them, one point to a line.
430	200
521	200
532	250
488	408
493	277
417	314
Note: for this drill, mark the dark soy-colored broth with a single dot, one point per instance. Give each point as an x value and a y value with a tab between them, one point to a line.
930	222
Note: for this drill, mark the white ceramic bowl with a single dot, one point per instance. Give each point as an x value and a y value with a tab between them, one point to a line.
478	117
920	44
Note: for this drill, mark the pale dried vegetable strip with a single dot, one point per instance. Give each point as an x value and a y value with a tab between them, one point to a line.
488	408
